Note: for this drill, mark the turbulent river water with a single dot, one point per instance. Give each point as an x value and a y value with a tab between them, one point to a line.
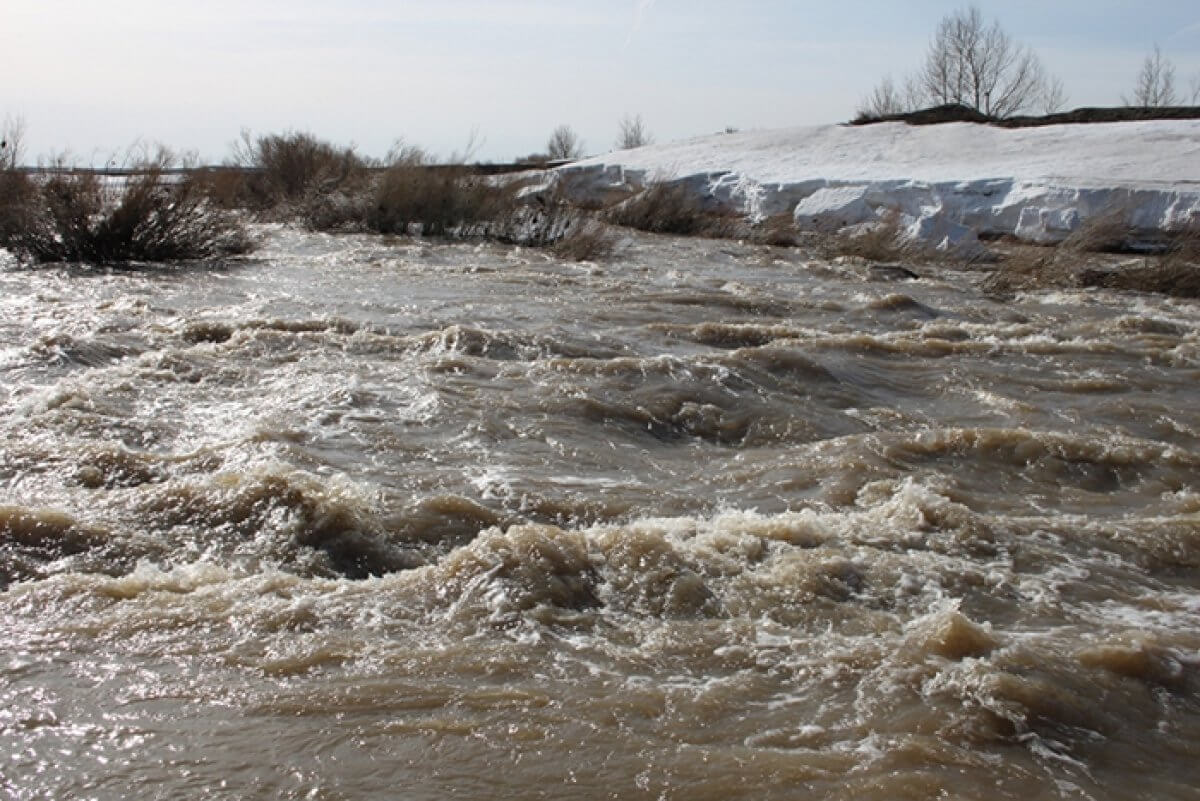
376	518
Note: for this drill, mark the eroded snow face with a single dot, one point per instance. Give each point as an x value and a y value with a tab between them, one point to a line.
941	185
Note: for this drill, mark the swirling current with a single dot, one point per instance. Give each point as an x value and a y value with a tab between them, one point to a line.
380	518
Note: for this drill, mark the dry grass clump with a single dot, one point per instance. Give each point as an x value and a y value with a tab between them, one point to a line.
671	208
1162	276
585	240
1107	232
1026	267
154	216
777	231
1175	272
881	241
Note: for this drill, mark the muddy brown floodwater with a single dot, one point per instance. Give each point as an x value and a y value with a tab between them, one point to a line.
368	519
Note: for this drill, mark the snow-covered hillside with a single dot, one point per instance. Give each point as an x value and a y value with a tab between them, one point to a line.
947	183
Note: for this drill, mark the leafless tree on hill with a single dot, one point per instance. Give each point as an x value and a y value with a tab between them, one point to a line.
633	133
1054	96
974	64
564	144
980	66
1155	83
887	98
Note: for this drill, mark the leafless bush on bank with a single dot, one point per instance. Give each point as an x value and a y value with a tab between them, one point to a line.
151	217
1175	271
1107	232
880	241
671	208
585	240
436	200
777	231
289	170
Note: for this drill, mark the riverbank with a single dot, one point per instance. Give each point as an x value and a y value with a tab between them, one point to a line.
948	186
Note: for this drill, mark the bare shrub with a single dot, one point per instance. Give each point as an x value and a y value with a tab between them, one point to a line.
293	167
1025	267
886	99
564	144
1165	276
671	208
879	241
225	187
777	231
1174	272
154	217
19	203
439	200
585	240
633	133
1107	232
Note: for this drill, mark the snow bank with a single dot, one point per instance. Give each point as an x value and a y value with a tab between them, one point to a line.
946	184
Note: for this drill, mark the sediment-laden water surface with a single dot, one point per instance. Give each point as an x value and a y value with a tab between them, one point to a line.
370	518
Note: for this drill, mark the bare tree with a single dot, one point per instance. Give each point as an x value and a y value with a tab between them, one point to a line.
979	65
633	133
564	144
887	98
1155	83
1054	97
883	101
975	64
12	143
1195	87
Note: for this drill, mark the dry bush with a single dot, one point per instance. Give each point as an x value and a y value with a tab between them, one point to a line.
225	187
437	200
1026	267
153	217
585	240
671	208
1107	232
632	133
564	144
18	204
777	231
881	241
287	171
1175	272
1162	276
1184	245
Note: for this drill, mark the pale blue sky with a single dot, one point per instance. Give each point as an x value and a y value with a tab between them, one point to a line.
92	77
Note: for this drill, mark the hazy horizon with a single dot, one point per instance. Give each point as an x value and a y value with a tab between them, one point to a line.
95	79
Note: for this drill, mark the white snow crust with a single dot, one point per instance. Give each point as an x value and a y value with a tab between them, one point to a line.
946	184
